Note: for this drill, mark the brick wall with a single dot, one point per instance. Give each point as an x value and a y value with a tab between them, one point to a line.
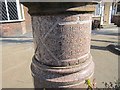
27	20
16	28
11	29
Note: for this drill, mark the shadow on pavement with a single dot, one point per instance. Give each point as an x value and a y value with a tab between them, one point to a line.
110	48
103	41
114	49
16	41
98	47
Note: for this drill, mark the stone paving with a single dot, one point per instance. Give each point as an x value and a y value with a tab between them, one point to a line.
106	62
17	54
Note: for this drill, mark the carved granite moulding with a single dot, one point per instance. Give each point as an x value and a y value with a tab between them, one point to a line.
61	77
95	1
45	8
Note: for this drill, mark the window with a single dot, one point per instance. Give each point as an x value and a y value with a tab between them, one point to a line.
118	8
97	10
11	11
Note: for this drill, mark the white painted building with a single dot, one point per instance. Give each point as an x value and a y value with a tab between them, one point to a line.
105	10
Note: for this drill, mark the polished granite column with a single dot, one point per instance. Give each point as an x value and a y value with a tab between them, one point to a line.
62	35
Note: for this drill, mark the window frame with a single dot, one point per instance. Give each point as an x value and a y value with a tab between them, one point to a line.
98	7
20	12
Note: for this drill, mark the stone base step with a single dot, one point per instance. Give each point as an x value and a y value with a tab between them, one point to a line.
109	25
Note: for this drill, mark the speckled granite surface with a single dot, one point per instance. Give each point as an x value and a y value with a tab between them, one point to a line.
62	50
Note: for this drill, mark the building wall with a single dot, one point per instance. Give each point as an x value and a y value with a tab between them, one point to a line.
16	28
10	29
27	22
116	17
107	13
116	20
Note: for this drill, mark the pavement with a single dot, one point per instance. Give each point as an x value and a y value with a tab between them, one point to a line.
106	62
17	54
